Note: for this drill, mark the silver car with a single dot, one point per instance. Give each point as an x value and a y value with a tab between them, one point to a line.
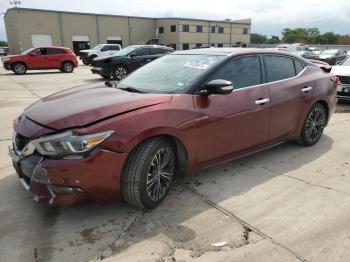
342	71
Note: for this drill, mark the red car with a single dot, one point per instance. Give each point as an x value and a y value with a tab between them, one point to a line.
184	111
51	57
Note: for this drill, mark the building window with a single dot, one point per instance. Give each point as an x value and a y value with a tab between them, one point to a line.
185	46
173	28
221	30
161	30
185	28
212	29
220	45
199	29
245	31
198	45
212	45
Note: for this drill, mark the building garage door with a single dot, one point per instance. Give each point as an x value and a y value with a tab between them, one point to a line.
114	40
41	40
80	42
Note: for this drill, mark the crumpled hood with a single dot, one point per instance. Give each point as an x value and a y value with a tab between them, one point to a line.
341	70
84	105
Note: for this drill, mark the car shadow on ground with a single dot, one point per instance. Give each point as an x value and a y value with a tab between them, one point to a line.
57	234
35	73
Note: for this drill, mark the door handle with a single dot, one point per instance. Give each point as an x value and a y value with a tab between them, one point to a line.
306	89
262	101
148	60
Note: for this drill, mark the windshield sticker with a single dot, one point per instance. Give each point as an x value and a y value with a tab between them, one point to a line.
196	65
180	84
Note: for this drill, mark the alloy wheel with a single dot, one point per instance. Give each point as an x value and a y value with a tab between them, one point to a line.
20	68
160	173
68	67
315	124
120	73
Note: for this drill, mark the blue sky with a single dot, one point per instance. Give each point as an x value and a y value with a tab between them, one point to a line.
268	16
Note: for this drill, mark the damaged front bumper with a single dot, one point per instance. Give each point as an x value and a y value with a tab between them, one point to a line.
65	182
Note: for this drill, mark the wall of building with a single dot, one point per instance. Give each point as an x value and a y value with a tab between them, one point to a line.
111	26
168	37
22	23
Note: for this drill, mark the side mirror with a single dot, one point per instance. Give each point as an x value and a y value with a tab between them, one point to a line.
132	56
32	54
217	86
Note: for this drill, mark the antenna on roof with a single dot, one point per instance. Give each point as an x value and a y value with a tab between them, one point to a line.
16	3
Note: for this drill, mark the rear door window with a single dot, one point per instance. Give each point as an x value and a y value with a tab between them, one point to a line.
142	52
242	72
299	66
55	51
279	67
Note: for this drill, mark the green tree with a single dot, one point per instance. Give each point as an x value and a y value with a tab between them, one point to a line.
274	40
258	39
329	38
3	43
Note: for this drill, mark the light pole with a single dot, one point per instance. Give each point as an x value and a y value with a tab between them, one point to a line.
16	3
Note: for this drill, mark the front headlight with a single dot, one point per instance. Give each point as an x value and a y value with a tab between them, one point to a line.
5	59
69	144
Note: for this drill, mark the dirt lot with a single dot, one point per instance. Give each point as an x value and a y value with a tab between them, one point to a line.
288	203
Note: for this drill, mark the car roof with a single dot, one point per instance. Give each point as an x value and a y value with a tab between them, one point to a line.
233	51
153	46
59	47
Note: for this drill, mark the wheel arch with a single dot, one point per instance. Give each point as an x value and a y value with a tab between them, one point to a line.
325	105
181	151
19	62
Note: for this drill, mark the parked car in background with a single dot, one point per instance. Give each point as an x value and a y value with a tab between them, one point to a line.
306	54
3	52
127	60
342	71
88	55
315	50
51	57
333	56
184	111
292	47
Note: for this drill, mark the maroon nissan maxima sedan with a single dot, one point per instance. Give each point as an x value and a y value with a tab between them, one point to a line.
185	111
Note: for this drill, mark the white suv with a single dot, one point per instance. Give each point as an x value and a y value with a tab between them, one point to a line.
98	51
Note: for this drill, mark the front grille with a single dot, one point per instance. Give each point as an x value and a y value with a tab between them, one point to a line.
20	142
344	80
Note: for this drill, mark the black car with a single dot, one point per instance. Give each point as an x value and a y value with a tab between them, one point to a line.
127	60
332	56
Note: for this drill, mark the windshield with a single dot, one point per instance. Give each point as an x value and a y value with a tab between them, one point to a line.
329	52
170	73
346	62
126	51
27	51
98	47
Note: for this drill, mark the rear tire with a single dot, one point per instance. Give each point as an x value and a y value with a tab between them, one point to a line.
148	173
85	61
314	123
67	67
19	68
119	72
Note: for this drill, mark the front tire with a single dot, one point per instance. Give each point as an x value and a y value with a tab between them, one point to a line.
119	72
314	123
67	67
85	61
19	68
148	173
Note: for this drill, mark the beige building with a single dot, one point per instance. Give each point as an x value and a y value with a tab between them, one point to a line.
28	28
